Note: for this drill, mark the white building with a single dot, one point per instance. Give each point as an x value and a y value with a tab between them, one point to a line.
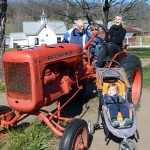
36	33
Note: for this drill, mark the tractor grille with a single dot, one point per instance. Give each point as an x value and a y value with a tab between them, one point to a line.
18	80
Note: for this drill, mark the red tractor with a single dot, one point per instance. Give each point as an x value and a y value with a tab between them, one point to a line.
39	76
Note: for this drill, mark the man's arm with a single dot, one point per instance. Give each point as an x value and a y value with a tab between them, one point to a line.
67	36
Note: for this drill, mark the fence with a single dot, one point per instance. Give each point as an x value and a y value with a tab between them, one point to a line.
138	41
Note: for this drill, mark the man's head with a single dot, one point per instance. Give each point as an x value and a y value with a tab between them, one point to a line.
118	20
80	25
113	89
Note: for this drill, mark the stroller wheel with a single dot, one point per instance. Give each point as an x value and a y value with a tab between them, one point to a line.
127	144
90	127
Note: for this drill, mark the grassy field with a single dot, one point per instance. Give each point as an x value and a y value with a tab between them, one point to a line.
141	52
40	137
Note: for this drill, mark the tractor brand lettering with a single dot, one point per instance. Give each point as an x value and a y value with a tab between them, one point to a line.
55	56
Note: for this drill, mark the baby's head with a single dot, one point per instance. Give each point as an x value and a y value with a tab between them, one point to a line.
113	89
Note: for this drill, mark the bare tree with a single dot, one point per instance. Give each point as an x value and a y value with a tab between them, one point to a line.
108	9
105	10
3	9
67	14
70	10
139	16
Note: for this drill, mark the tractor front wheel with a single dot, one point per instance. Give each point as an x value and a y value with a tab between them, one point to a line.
75	136
133	70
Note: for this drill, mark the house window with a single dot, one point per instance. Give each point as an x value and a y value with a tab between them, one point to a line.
42	40
36	41
58	39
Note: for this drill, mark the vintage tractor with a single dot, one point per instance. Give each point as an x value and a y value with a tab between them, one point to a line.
39	76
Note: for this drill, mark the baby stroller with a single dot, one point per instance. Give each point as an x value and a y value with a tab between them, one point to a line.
105	76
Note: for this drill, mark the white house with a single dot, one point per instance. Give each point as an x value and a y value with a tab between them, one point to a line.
36	33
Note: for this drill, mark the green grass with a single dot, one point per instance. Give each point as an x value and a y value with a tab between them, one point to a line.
34	137
8	49
141	52
146	76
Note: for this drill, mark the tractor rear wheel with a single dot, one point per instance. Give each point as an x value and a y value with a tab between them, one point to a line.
133	69
75	136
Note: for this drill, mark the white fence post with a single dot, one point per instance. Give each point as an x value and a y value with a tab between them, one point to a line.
140	41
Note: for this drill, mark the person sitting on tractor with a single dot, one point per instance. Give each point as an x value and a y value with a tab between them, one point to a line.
77	35
96	43
114	40
116	103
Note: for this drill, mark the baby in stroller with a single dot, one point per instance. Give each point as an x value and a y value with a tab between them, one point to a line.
116	114
116	103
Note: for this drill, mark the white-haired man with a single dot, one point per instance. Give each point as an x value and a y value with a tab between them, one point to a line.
77	35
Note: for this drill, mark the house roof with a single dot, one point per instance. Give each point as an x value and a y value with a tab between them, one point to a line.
33	28
58	26
18	36
135	30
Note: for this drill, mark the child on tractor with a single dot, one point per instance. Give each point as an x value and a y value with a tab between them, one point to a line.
114	40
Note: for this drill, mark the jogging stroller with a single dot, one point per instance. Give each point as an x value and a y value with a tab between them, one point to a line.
105	76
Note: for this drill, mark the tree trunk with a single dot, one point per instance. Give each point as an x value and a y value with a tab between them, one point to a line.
3	9
67	14
106	8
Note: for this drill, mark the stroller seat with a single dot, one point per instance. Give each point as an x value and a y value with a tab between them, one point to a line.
122	87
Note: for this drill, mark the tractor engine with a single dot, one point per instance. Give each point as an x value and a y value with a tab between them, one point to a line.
36	77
